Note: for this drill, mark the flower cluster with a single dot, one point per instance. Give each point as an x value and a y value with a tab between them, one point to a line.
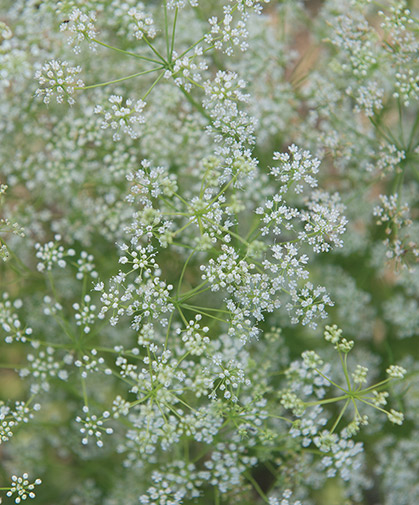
396	218
10	321
52	254
81	27
41	368
118	116
11	418
228	33
60	79
7	226
22	487
92	426
142	24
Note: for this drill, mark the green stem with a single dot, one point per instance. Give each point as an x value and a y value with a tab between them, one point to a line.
195	293
183	273
195	83
182	199
184	403
146	397
83	385
375	386
168	330
282	418
197	105
374	406
223	190
386	135
412	133
150	45
152	86
345	370
166	31
258	489
399	105
179	230
191	47
328	400
205	308
340	415
144	72
172	46
182	315
329	380
198	311
128	53
192	291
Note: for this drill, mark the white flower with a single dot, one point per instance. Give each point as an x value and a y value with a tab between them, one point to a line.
82	27
60	79
22	488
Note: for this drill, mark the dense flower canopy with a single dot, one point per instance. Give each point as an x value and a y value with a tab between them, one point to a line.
209	246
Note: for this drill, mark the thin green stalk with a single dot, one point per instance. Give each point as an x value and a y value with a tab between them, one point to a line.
282	418
50	344
412	133
223	190
387	135
328	400
191	47
182	358
258	489
150	366
183	214
172	46
195	293
179	230
163	414
168	330
400	109
340	415
253	228
375	386
329	380
146	397
197	105
182	199
182	315
195	83
144	72
357	414
184	403
150	45
204	313
183	273
185	246
128	53
83	385
166	31
345	370
150	89
205	308
192	291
